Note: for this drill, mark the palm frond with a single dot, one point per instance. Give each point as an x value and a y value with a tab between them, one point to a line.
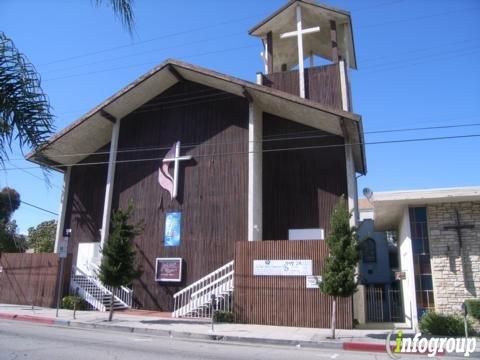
24	108
123	9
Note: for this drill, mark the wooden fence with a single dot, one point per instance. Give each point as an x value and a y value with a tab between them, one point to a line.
30	279
284	300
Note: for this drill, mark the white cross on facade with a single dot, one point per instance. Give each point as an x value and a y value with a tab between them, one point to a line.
299	34
164	178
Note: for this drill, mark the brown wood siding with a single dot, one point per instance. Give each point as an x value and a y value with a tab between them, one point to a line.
212	127
284	300
29	279
301	187
322	84
85	200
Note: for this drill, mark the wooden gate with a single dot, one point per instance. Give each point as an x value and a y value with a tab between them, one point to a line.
29	279
284	300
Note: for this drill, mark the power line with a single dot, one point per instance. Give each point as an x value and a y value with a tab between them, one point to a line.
415	63
149	63
151	39
270	138
184	32
142	53
417	50
187	31
45	179
38	207
275	150
378	5
416	18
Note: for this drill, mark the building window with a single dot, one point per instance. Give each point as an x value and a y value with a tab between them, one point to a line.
369	251
421	260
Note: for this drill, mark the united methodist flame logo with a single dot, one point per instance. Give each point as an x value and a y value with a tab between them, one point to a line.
165	179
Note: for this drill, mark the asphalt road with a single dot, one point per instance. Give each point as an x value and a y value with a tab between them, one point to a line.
20	340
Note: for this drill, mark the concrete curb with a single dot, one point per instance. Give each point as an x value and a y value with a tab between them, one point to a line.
339	345
29	318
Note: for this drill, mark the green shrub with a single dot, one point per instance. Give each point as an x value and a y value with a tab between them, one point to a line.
473	307
443	325
223	316
68	302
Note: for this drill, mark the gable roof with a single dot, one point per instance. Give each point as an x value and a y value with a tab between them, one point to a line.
93	130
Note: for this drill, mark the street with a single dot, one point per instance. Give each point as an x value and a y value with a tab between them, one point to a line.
20	340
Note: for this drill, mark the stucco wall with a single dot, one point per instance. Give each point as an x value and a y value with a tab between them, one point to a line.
380	272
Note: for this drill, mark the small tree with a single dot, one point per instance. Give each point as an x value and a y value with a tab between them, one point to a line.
339	278
42	237
10	240
118	260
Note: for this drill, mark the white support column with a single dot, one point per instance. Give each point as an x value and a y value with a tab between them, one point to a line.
255	123
301	68
406	264
343	85
107	207
63	208
265	55
351	185
351	174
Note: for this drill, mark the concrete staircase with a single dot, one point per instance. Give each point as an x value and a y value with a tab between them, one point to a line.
89	288
195	300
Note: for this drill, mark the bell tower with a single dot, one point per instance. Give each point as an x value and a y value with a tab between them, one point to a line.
308	48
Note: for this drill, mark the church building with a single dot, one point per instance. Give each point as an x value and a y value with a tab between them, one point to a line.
215	165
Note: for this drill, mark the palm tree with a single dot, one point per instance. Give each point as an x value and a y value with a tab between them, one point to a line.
25	112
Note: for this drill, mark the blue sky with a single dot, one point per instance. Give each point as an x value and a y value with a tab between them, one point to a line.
418	67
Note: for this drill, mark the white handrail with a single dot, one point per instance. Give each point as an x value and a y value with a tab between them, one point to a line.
124	294
93	291
206	277
195	299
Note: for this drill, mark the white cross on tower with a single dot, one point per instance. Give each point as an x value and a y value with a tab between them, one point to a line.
176	158
299	34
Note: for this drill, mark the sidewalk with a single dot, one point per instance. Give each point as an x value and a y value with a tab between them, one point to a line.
160	324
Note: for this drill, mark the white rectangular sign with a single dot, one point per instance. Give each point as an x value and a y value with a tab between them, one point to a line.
63	247
311	282
306	234
282	267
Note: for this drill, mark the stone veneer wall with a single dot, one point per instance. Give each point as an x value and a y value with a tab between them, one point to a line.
456	275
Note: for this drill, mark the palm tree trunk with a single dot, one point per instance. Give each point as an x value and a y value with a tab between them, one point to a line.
334	316
112	300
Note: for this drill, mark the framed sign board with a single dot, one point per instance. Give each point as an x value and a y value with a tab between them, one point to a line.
168	269
282	267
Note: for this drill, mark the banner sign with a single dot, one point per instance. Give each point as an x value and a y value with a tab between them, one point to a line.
168	269
172	229
282	267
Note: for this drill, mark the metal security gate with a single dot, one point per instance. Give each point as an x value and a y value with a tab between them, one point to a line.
395	306
374	299
384	305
